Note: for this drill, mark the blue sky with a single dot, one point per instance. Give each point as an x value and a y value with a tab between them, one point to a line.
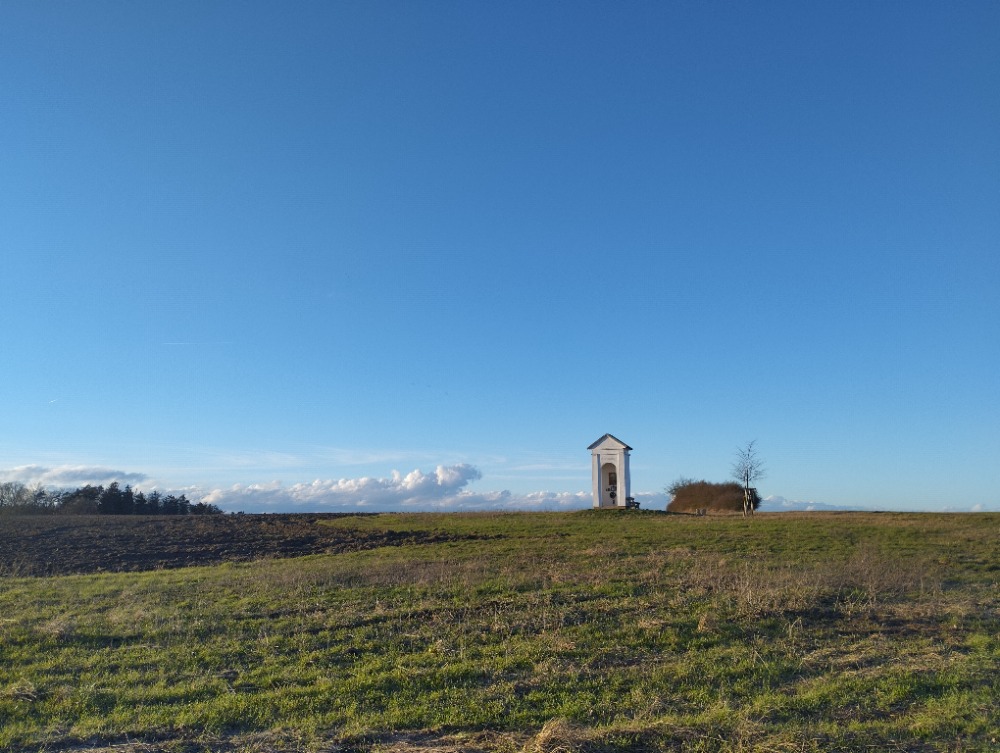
272	253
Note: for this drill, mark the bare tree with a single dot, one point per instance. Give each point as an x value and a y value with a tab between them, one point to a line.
14	496
747	469
17	498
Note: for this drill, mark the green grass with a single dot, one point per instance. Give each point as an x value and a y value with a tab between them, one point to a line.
561	631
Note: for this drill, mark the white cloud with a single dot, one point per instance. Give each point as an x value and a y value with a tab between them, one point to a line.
65	476
415	490
441	490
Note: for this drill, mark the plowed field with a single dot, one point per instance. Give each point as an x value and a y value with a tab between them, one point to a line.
60	545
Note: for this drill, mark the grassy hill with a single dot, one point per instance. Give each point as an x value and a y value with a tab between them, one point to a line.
590	631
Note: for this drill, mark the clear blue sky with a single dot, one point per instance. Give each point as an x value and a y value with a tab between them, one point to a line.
304	245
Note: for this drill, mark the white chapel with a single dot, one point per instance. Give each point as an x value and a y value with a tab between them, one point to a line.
610	473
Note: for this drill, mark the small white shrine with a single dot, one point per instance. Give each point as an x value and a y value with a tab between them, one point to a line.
610	473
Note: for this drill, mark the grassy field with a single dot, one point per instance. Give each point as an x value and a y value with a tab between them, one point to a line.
589	631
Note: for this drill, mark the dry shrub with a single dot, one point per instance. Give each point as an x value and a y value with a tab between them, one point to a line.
557	736
21	690
708	622
59	628
704	495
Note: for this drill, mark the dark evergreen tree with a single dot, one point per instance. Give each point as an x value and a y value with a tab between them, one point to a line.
110	501
128	501
154	503
170	506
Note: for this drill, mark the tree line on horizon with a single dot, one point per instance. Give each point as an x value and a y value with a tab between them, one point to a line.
18	499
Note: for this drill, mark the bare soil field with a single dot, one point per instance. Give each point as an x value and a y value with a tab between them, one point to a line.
64	545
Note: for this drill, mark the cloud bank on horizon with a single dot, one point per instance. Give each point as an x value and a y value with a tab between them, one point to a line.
443	489
64	476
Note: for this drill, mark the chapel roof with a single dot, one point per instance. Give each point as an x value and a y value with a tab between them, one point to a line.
606	437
